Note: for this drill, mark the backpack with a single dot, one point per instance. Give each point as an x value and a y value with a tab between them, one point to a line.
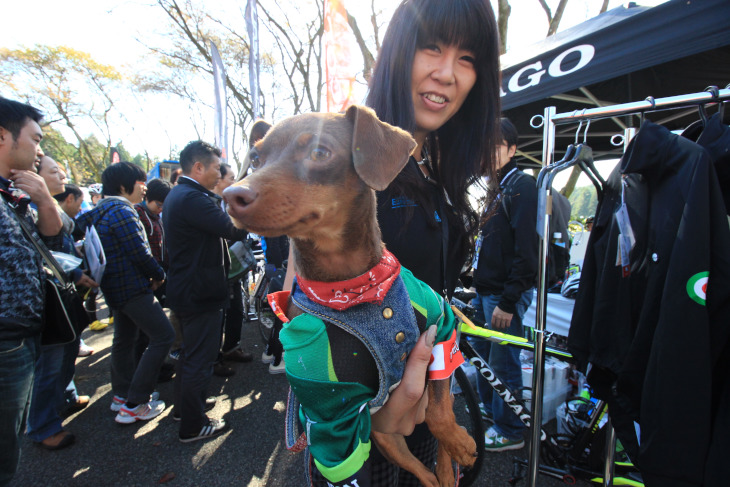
559	248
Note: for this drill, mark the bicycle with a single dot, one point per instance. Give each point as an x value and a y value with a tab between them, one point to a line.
261	280
566	457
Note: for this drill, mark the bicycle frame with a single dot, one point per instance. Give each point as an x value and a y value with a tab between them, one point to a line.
468	327
508	396
570	469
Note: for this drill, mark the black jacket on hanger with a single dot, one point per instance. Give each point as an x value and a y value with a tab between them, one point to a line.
715	138
651	337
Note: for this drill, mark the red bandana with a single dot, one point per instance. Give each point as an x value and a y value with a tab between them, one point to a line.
369	287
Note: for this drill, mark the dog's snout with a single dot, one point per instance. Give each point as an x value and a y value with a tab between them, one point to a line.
238	198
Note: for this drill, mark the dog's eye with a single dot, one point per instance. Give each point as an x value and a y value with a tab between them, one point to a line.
255	160
320	154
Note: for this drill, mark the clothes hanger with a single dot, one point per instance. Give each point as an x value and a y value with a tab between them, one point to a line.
548	169
651	100
694	130
703	115
545	181
568	155
591	171
583	156
721	110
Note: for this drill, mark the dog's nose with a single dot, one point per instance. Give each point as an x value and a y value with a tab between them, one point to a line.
238	198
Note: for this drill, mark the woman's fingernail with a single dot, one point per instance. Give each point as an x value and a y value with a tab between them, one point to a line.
431	335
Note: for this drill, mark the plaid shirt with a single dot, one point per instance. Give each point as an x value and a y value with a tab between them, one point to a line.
130	264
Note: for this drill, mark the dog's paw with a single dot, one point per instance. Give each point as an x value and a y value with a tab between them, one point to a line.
444	469
428	479
460	446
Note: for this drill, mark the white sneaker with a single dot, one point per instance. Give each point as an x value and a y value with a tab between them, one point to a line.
493	441
266	358
85	350
143	412
277	369
118	402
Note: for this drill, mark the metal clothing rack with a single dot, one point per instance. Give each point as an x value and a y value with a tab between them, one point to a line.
550	120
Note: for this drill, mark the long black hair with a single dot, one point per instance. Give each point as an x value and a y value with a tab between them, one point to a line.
463	148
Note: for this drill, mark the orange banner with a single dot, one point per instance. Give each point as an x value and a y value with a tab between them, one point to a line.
340	54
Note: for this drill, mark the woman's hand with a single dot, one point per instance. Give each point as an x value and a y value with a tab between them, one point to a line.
407	404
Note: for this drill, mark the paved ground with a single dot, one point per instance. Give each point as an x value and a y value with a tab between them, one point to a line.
252	453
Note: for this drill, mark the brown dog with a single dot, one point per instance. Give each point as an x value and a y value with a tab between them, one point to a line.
315	183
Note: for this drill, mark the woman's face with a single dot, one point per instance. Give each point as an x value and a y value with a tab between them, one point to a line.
53	176
442	77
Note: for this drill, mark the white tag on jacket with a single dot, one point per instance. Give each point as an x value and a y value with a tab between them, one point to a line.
622	217
624	225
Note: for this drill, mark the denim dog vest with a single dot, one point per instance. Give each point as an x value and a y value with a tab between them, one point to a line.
389	331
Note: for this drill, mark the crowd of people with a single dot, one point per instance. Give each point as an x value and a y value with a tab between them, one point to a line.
165	242
178	260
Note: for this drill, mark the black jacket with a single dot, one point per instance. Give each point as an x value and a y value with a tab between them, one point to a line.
434	256
651	337
508	257
195	229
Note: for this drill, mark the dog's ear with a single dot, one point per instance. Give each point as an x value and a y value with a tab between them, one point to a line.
379	150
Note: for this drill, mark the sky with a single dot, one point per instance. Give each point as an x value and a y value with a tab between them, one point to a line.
113	32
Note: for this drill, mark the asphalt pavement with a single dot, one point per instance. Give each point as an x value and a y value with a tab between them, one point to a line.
252	453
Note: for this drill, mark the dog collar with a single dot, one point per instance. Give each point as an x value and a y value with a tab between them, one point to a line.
372	286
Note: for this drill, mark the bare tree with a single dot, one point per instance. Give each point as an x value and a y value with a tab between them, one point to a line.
301	54
502	22
291	68
553	19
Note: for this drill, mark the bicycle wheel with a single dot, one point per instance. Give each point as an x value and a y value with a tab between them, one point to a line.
246	298
468	415
265	318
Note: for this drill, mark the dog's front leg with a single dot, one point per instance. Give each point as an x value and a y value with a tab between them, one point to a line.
444	468
442	422
394	449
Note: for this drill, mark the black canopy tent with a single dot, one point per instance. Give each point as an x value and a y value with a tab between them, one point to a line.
620	56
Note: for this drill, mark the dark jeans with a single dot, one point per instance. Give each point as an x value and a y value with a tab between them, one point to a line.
274	346
17	366
505	360
201	342
53	372
233	317
131	380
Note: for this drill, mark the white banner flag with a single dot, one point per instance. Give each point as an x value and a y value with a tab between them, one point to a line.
252	25
221	103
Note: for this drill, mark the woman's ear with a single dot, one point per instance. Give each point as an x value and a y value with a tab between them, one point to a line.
511	151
